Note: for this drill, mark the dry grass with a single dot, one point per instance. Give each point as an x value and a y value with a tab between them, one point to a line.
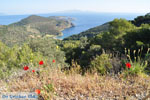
56	85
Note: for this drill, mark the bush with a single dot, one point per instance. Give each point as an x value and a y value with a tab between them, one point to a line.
101	64
137	38
48	48
16	57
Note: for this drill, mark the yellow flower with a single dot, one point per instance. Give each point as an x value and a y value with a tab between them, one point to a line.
31	54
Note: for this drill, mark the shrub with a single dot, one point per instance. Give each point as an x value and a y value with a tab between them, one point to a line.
48	48
16	57
101	64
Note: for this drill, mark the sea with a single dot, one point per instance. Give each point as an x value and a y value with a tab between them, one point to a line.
82	21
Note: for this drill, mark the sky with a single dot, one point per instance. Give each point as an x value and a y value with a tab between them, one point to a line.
48	6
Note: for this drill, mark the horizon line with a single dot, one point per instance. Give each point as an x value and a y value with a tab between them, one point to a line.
72	11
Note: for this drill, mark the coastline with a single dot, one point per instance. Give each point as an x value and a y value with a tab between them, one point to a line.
61	33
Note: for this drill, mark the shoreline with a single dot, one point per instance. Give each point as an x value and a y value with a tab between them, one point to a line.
61	33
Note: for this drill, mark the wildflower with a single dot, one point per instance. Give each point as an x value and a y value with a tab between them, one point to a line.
53	61
128	65
41	62
26	67
33	71
37	91
31	54
57	47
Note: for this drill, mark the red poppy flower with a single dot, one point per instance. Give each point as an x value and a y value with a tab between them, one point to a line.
128	65
53	61
26	67
33	71
41	63
37	91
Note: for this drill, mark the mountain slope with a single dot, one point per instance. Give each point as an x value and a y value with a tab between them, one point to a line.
31	27
138	21
51	25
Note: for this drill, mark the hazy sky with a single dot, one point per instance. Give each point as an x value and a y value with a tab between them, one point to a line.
47	6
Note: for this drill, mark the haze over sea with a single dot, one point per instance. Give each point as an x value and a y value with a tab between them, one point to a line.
83	21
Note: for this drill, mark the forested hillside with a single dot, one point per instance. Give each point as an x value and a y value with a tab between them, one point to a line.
119	39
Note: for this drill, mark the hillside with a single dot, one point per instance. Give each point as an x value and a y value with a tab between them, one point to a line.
46	25
31	27
112	37
90	33
138	21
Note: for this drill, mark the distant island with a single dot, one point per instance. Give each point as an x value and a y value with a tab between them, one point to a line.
32	27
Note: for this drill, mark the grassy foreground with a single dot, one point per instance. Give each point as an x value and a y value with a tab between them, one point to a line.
56	85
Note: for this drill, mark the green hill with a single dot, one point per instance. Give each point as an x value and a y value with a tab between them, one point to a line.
45	25
32	27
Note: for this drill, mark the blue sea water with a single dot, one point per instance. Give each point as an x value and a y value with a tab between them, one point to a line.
8	19
82	22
